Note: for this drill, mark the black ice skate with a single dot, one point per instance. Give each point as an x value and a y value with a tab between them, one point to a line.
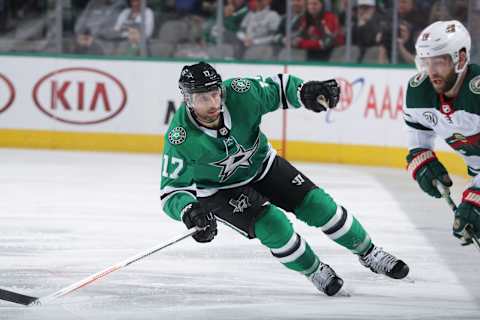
326	280
382	262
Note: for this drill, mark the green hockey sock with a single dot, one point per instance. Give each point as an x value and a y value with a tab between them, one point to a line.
275	231
318	209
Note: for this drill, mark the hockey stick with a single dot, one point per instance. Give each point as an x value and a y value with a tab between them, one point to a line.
445	192
29	300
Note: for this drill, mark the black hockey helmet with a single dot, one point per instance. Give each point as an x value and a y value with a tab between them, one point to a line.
199	77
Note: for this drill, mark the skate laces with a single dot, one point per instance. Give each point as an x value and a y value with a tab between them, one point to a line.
321	277
379	261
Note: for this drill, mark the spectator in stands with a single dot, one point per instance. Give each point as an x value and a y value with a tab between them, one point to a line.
298	10
27	8
186	7
79	5
3	15
279	7
129	27
166	6
235	11
459	9
411	23
99	17
233	14
259	25
408	12
132	46
369	25
131	18
86	44
439	12
340	8
320	32
208	8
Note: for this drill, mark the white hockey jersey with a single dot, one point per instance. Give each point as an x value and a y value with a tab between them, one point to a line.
456	120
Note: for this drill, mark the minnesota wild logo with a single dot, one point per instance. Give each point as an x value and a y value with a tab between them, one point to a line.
417	80
240	158
475	85
177	135
241	85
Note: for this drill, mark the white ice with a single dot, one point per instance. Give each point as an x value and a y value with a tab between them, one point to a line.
66	215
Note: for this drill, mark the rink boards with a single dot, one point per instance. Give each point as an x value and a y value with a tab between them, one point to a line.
126	105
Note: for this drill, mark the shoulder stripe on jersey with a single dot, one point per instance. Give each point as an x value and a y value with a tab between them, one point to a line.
417	126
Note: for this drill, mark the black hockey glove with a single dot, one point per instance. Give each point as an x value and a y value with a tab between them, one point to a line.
468	214
425	168
193	215
319	96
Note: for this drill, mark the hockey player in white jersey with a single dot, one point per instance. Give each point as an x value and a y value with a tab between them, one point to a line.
444	100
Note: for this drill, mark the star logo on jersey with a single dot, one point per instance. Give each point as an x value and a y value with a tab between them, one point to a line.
177	135
241	85
239	204
240	159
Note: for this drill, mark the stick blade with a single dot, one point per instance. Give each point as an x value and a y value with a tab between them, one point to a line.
16	297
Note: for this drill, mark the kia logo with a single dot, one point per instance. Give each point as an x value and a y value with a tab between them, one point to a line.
80	95
7	93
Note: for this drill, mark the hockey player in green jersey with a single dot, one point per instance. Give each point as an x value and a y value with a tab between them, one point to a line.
217	164
444	100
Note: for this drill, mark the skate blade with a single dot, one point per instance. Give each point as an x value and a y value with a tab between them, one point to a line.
408	279
343	293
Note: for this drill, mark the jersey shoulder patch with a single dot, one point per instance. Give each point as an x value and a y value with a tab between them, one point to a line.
417	79
420	92
474	85
241	85
177	135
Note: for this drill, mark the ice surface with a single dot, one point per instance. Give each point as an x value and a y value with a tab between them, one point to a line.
66	215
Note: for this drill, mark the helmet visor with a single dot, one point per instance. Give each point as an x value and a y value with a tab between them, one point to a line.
206	97
434	64
201	100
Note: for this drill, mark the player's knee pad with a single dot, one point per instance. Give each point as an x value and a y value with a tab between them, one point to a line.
273	228
317	208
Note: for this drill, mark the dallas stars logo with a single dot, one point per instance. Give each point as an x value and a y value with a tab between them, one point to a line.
240	159
240	204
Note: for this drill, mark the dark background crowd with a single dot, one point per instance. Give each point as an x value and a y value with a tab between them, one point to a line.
361	31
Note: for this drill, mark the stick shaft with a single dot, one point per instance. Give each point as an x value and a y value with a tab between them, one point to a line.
94	277
445	192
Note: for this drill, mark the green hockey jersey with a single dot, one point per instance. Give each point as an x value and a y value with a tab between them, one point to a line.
198	161
457	120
